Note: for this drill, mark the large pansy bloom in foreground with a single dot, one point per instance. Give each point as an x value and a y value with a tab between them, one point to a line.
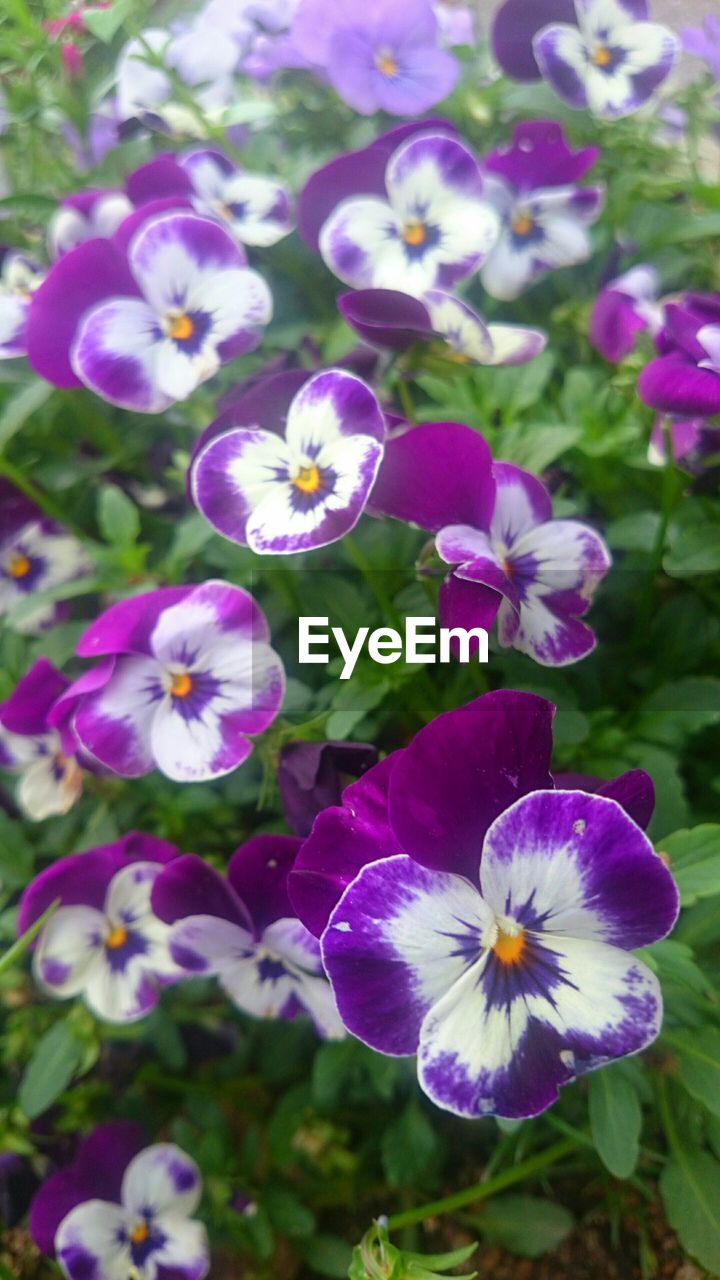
123	1209
103	941
197	305
612	61
19	278
433	228
244	931
544	214
625	307
186	674
303	482
389	319
684	379
50	776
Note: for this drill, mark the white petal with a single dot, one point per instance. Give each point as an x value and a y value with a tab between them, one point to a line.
94	1230
52	785
69	946
163	1179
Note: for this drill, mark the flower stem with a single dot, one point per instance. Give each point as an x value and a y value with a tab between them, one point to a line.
483	1190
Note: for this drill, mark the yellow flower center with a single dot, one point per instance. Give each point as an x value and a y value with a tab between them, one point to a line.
182	328
117	937
307	479
602	57
181	685
415	233
523	224
19	566
386	64
509	947
140	1233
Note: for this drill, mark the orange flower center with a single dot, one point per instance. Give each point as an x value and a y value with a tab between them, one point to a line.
386	64
181	685
523	224
415	233
509	947
307	479
140	1233
602	57
117	937
182	328
19	566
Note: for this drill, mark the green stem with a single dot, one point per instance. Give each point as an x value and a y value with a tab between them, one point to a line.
668	1121
483	1190
406	400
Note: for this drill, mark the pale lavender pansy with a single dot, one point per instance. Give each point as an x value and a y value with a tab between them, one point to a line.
148	1232
515	984
19	278
84	216
186	675
197	305
282	491
612	62
544	215
50	777
456	22
102	942
434	227
625	307
244	931
36	557
255	209
386	318
704	42
545	570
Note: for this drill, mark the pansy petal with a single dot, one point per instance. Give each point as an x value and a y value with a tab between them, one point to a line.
316	997
522	502
423	478
647	55
69	946
163	1179
184	1253
257	209
331	406
561	55
171	254
233	474
205	944
50	787
114	723
258	872
465	606
195	747
546	630
91	1241
398	940
360	244
189	886
126	627
114	354
289	939
512	344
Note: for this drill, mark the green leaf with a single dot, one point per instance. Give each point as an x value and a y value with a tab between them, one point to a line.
57	1056
328	1256
21	406
409	1147
615	1121
525	1225
680	708
16	855
535	447
333	1064
18	949
105	23
695	861
699	1059
288	1214
695	549
118	517
690	1188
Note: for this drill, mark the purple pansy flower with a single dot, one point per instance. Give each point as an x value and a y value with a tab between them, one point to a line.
186	674
625	307
51	779
694	443
19	278
544	215
545	570
456	22
467	910
684	379
514	26
704	42
434	227
612	61
84	216
255	209
103	941
282	493
128	1211
311	776
195	305
35	557
386	318
244	931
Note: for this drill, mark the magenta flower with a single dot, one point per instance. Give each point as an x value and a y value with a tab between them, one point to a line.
684	379
103	941
51	778
467	909
625	307
186	674
244	931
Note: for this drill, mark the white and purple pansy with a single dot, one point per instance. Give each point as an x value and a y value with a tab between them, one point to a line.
434	227
292	488
510	987
103	942
244	931
37	557
84	216
197	305
386	318
612	61
186	674
545	571
20	276
625	307
544	214
255	209
684	378
50	777
146	1234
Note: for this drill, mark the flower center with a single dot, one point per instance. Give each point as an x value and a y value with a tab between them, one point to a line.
181	684
386	64
415	233
182	328
19	566
116	938
139	1233
522	224
509	947
307	479
602	56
